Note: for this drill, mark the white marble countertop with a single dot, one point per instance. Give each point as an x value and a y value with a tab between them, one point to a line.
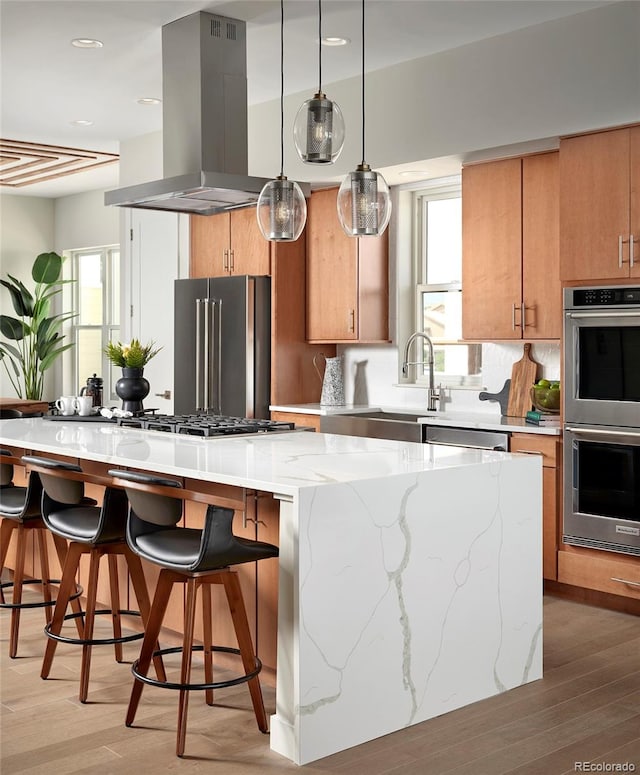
452	418
282	463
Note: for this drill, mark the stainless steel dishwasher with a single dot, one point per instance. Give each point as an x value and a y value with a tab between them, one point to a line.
466	437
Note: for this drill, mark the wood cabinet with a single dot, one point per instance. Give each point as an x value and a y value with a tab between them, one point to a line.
510	277
302	420
609	572
600	205
347	278
550	448
228	243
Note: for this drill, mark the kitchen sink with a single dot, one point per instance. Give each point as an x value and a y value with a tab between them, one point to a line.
376	424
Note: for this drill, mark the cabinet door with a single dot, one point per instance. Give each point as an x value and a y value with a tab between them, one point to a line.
594	206
209	245
634	228
540	247
250	251
332	273
491	250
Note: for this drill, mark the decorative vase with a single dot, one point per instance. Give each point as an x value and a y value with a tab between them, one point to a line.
132	387
332	381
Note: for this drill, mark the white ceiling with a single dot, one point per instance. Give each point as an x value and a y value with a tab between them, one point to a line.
46	83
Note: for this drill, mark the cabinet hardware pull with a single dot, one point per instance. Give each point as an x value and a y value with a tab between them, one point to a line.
225	260
620	251
529	452
233	262
626	581
513	316
523	321
352	321
631	250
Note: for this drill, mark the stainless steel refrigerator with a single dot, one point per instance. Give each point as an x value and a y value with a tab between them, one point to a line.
222	362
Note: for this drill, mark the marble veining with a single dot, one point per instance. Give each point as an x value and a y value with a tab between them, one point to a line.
410	574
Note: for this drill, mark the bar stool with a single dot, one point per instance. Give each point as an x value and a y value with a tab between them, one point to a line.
96	531
20	512
198	559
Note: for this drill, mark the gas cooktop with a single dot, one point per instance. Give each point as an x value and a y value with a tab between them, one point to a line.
205	425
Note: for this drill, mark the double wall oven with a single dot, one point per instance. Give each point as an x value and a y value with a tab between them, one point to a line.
602	418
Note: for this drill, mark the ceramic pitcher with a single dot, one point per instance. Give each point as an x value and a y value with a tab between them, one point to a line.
332	381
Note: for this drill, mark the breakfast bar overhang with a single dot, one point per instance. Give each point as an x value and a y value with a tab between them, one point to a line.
410	579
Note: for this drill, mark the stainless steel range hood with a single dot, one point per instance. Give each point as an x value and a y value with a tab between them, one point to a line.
204	90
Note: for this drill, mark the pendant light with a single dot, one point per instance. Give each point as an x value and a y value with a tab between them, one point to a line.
318	131
282	208
364	204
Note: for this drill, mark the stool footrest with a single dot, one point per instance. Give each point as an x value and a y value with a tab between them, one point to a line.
95	641
197	687
40	603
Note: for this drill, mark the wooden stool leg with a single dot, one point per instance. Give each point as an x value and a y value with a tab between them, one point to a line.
6	529
185	671
67	588
41	537
89	619
152	630
243	634
114	588
207	635
61	550
18	577
139	584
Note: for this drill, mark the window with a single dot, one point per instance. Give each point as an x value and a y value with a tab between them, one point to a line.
97	302
438	299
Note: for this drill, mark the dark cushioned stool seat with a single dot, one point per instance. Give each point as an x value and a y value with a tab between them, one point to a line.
198	559
96	531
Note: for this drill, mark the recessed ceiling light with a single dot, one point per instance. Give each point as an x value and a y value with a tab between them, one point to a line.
86	43
149	101
81	122
332	41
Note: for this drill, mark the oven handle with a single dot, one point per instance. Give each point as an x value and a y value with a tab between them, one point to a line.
603	432
611	314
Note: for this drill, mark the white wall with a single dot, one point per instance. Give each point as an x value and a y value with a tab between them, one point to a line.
26	230
82	221
570	75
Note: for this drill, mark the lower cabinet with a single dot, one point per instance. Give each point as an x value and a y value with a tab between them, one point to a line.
550	447
616	574
300	420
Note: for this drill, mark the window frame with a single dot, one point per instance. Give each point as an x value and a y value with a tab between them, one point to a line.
109	328
438	189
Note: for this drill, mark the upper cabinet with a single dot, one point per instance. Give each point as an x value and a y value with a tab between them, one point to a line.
347	278
600	205
228	243
510	242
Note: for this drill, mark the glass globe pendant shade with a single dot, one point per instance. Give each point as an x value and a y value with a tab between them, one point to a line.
364	203
282	210
318	130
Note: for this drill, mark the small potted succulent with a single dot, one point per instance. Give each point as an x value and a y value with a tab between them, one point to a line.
132	387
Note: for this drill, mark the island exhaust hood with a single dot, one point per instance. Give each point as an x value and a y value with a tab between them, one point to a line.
204	91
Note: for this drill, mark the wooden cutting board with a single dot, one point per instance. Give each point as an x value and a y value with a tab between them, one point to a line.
523	375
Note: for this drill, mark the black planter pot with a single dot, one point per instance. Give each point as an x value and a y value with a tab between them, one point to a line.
132	388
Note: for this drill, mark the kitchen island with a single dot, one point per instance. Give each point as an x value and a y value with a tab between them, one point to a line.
410	576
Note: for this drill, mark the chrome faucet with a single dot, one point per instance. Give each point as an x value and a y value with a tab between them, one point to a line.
434	395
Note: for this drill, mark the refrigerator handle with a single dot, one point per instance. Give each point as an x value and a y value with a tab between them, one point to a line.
215	374
207	350
198	354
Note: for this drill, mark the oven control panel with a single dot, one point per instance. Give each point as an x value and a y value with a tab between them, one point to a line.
610	296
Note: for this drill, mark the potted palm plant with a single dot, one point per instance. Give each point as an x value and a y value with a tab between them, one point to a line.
33	339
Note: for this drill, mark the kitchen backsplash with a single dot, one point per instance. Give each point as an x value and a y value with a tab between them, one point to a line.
370	374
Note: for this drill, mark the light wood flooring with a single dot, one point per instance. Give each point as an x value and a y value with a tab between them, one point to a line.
586	709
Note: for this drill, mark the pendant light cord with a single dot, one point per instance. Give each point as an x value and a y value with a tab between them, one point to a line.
363	155
319	46
281	88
